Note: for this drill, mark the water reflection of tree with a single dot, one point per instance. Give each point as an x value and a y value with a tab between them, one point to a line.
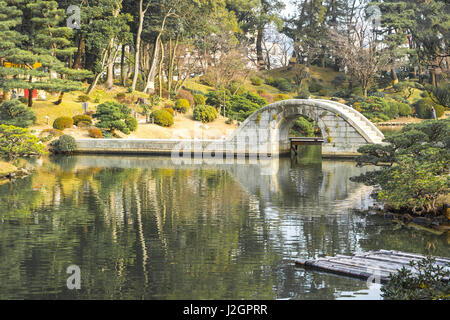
176	233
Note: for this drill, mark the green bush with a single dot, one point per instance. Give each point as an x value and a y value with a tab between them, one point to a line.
303	128
25	143
65	144
162	118
15	113
270	81
84	98
217	98
205	113
423	108
392	110
315	86
81	118
182	105
131	123
256	81
303	92
323	92
240	108
199	100
111	117
283	84
255	98
62	123
404	109
426	283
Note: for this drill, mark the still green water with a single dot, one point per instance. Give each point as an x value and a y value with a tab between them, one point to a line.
148	228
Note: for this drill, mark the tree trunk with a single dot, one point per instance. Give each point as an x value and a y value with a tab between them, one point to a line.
110	76
434	77
30	97
259	49
138	46
94	83
60	98
394	75
77	64
161	67
153	65
123	73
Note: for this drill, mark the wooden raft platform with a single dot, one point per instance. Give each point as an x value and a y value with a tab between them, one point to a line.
304	141
365	265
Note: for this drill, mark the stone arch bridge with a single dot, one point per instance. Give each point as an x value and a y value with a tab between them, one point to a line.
343	128
264	134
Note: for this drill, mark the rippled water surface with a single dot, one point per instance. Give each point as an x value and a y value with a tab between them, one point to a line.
148	228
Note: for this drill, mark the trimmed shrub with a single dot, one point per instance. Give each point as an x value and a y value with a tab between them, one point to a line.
65	144
283	84
217	98
170	110
95	133
404	109
131	123
111	116
15	113
270	81
392	110
256	81
315	86
62	123
186	95
182	105
255	99
199	100
84	98
162	118
280	97
81	118
121	96
205	113
423	108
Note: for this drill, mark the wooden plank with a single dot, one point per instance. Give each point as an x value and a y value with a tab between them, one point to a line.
380	263
416	256
358	264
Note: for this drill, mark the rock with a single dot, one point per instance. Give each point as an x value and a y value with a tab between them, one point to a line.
421	220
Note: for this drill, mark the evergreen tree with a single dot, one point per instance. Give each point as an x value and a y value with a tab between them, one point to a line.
34	62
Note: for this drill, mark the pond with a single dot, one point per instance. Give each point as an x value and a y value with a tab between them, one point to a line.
149	228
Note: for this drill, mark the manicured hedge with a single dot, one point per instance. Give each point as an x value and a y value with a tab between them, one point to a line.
62	123
205	113
162	118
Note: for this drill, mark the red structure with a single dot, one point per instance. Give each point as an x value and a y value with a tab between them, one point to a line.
26	93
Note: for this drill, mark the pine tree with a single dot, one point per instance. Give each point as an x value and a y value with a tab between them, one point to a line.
34	62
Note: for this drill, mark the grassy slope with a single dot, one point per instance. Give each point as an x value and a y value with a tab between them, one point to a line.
71	106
